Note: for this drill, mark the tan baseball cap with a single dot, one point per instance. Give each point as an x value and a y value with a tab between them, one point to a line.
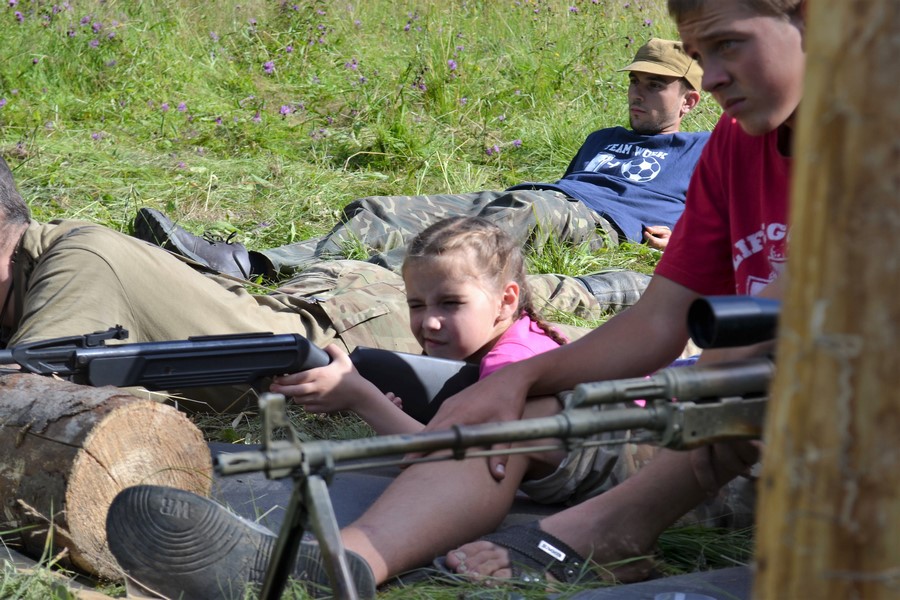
666	57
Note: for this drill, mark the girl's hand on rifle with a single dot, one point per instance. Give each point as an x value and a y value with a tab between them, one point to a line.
336	386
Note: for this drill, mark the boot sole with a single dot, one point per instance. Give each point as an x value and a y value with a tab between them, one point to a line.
181	545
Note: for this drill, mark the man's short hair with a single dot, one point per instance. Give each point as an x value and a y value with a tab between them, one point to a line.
13	210
679	9
667	57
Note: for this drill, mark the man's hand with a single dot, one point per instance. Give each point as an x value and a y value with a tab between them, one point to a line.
657	236
498	397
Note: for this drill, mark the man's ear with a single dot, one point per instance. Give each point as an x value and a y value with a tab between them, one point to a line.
509	301
691	100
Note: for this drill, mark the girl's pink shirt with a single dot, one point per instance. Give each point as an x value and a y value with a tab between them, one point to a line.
522	340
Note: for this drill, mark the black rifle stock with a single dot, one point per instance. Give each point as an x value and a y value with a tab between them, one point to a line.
422	382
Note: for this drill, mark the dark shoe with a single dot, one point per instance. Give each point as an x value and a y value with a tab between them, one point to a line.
225	257
181	545
534	554
616	289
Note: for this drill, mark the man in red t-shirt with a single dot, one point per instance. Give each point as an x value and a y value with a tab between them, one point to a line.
731	239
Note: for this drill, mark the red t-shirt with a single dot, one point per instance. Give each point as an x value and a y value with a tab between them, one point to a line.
732	237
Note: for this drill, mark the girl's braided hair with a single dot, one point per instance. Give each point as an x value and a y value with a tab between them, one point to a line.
496	257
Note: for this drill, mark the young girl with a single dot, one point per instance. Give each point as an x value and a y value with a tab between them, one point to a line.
468	300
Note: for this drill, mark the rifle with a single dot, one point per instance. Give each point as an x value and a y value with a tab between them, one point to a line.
422	382
716	402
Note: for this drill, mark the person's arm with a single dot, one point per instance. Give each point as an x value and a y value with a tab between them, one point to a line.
339	386
637	341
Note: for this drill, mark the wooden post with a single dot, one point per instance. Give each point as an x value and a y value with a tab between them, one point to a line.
66	450
829	512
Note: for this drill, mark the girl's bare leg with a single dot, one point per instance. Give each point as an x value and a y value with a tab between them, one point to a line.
622	523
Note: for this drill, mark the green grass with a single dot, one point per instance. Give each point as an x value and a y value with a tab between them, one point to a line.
374	98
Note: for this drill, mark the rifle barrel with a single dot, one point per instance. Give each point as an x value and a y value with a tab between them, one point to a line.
696	382
316	454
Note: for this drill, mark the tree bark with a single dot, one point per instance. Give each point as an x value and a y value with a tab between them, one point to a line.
65	452
829	511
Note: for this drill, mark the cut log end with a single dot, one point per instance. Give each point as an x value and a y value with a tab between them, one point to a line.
142	443
65	452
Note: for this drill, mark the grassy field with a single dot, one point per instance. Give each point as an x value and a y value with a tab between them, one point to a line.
264	118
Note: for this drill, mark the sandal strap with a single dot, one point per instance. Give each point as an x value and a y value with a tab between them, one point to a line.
539	553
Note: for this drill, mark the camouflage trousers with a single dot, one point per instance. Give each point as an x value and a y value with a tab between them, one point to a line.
380	227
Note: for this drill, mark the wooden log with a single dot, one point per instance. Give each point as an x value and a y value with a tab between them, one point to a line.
66	450
829	507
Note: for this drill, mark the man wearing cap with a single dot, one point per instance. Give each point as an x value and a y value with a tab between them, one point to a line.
623	184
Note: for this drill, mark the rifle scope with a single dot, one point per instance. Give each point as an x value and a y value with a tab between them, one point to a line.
725	321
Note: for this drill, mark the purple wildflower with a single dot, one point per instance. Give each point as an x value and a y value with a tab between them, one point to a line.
164	107
357	22
71	32
35	61
492	150
647	22
110	35
111	63
19	16
269	66
501	118
97	26
214	36
573	9
180	165
407	27
288	48
2	102
96	136
256	118
352	64
182	107
463	101
286	110
517	143
451	64
13	3
85	20
94	43
218	120
252	22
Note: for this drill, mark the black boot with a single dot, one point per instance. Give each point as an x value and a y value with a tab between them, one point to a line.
181	545
229	258
616	289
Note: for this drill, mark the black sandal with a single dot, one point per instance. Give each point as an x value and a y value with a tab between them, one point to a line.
533	554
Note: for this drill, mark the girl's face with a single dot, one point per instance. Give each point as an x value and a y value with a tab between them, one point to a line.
452	313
